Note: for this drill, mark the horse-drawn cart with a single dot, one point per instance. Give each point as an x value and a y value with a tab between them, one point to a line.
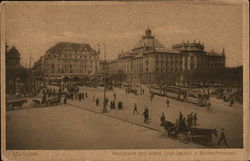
16	103
197	135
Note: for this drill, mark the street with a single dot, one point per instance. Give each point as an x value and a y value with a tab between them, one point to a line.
61	127
221	115
82	125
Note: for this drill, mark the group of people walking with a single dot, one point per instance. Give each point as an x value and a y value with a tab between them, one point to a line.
184	123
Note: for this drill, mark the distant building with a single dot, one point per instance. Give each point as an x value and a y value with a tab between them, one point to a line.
15	73
150	61
12	58
67	60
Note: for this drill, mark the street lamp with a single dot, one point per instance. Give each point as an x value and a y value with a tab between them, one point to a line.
104	110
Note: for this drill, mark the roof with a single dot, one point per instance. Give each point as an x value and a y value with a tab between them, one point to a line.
148	42
166	50
61	46
126	55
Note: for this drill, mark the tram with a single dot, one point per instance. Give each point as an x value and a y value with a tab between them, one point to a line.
157	90
197	97
175	92
183	94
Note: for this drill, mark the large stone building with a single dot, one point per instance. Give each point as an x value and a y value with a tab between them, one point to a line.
67	60
150	61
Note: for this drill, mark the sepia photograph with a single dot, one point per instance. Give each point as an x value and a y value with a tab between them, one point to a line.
142	75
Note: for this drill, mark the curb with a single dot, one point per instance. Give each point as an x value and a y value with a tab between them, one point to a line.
151	128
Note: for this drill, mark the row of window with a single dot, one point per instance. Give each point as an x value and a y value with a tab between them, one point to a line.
71	56
69	71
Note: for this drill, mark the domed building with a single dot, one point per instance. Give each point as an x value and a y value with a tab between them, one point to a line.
15	73
149	61
12	58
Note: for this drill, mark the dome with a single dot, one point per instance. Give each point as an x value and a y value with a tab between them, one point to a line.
13	52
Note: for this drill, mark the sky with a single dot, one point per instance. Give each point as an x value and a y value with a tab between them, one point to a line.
34	27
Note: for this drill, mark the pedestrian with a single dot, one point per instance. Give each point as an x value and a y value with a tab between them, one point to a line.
135	109
80	97
209	106
180	116
168	102
114	95
97	101
162	119
146	116
222	137
111	104
65	100
189	120
195	119
231	102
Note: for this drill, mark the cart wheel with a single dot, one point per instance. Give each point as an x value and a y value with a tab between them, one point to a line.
164	131
183	139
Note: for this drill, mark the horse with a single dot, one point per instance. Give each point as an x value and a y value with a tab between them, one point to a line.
18	103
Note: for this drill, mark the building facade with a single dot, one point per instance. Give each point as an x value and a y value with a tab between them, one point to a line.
149	61
15	73
68	60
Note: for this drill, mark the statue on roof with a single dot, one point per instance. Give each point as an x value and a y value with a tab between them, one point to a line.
148	33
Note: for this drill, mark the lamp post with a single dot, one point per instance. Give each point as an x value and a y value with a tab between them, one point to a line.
104	110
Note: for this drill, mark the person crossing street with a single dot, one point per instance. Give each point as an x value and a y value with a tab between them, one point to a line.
146	116
222	137
97	101
168	102
135	109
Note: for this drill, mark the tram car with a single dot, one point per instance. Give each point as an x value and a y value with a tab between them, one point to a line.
175	92
157	90
197	97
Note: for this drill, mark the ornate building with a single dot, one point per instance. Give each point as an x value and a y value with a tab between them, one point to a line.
150	61
68	60
15	73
